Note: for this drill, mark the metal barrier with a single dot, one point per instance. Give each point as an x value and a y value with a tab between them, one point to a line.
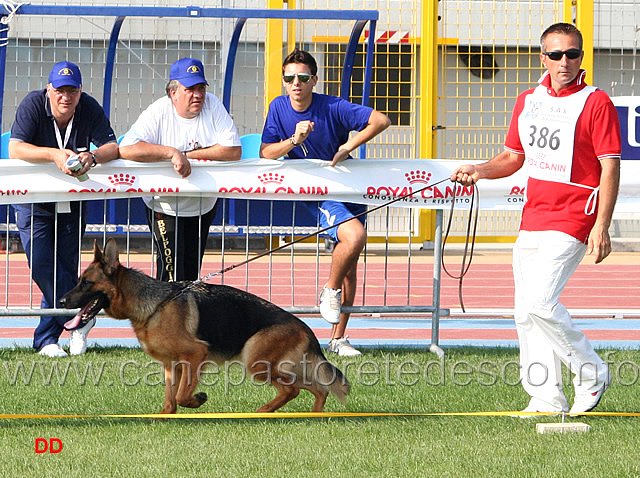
237	216
359	17
390	275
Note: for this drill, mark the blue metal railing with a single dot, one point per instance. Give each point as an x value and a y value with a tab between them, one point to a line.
361	18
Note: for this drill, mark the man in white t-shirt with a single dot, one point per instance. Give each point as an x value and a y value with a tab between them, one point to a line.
188	123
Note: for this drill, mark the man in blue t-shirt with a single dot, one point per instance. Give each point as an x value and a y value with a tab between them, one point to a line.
52	125
306	124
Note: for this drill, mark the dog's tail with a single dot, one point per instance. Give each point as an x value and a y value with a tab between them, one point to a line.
331	378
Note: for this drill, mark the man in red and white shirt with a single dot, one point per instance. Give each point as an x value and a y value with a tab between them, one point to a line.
567	135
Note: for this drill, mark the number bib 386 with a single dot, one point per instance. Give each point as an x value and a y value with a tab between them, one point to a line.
547	127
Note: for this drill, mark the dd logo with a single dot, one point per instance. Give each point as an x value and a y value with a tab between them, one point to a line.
54	445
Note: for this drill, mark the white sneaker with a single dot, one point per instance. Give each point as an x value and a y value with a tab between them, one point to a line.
585	402
330	302
540	406
78	340
342	347
539	409
52	351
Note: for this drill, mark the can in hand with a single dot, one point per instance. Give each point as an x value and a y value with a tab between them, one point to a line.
74	165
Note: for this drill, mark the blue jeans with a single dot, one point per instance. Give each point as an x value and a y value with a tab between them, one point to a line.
39	244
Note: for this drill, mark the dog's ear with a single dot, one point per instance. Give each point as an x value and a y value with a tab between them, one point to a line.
97	253
111	256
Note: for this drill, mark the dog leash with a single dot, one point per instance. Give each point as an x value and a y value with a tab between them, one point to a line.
315	233
464	266
474	211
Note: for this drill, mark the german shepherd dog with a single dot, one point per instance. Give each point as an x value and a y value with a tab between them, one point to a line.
185	324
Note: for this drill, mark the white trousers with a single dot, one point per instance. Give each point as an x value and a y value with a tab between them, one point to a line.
543	262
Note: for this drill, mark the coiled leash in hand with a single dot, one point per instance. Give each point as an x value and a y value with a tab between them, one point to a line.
474	210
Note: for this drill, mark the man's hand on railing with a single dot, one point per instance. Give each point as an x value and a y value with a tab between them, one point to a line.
181	164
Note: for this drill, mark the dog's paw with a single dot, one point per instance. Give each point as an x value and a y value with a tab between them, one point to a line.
194	401
201	397
168	410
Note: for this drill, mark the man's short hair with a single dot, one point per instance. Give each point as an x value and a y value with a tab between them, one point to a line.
303	57
172	85
564	29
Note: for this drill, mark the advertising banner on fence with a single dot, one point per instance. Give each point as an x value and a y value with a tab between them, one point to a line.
629	113
423	183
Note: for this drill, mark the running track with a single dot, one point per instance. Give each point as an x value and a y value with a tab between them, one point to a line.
604	299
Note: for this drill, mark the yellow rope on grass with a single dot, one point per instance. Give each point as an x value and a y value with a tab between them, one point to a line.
279	415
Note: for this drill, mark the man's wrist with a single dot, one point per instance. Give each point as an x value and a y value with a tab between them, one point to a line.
93	159
293	141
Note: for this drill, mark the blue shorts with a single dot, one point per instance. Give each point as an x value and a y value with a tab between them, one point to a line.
334	212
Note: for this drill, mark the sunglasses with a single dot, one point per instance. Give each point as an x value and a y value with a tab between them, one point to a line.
303	77
556	55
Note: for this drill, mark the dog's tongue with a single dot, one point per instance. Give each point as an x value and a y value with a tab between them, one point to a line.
73	323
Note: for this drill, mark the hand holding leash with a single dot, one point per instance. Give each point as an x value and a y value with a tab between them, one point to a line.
466	175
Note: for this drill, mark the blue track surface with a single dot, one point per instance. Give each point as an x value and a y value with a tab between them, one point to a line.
377	328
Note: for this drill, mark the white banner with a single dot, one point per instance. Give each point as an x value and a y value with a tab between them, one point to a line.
370	181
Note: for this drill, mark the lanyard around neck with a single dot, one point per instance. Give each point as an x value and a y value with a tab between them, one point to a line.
67	133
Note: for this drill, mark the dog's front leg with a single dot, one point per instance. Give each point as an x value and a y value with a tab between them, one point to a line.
172	375
189	379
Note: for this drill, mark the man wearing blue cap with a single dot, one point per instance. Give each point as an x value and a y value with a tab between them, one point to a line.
50	126
188	123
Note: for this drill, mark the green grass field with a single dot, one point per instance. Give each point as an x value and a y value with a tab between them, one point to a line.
113	380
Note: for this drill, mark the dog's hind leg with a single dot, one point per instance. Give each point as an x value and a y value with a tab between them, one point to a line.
321	398
286	393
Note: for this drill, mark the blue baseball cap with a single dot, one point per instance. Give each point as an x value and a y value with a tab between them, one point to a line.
188	71
65	73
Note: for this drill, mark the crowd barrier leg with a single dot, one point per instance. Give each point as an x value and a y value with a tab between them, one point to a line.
437	273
